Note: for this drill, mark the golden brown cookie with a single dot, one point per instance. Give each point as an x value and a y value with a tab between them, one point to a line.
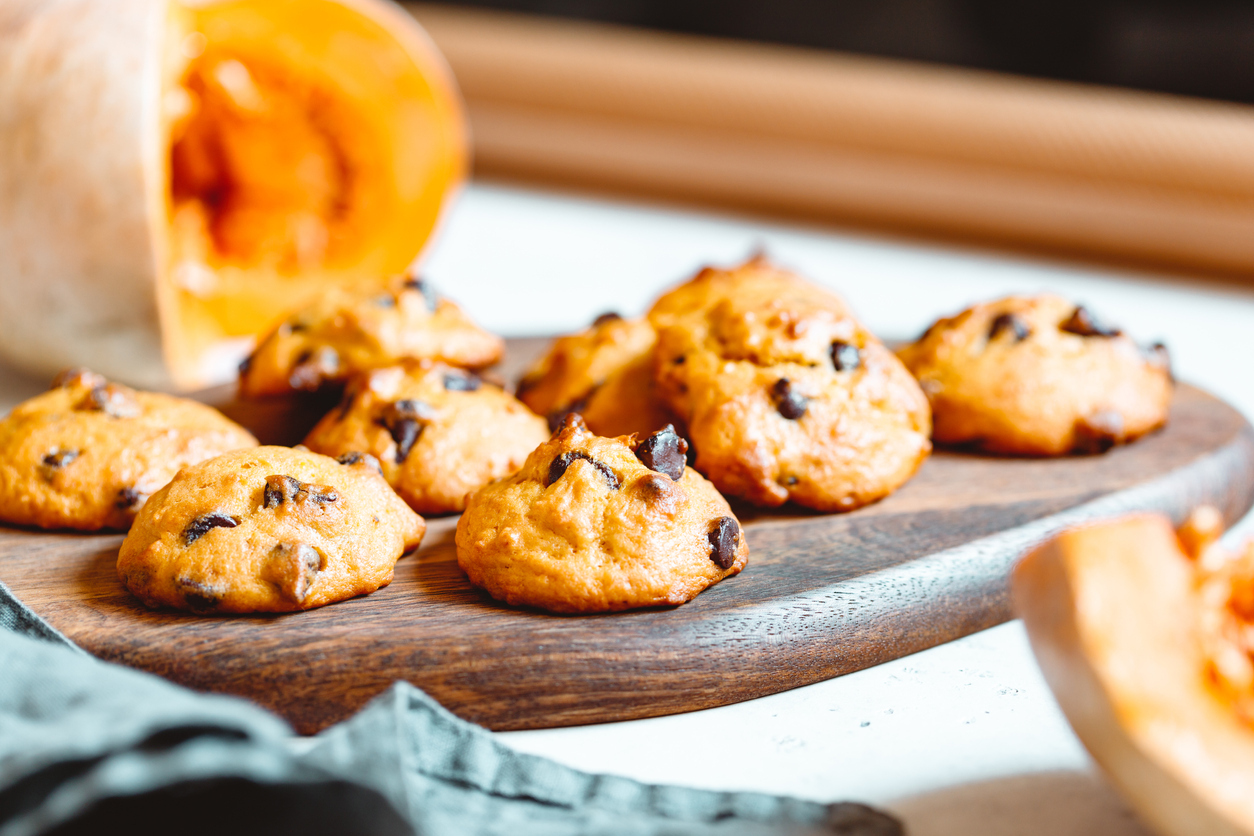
270	529
590	524
88	453
439	432
351	331
604	373
1037	375
785	395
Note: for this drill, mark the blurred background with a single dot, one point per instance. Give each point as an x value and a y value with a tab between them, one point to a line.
1199	48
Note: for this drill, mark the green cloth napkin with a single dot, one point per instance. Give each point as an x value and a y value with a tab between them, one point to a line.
90	747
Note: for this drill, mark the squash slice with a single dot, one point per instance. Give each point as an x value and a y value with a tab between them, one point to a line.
1128	631
174	176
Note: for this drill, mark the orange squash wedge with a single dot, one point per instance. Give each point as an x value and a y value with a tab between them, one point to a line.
174	176
1142	636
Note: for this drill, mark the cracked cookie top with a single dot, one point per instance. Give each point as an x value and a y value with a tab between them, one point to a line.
786	396
270	529
438	432
1038	375
349	331
88	453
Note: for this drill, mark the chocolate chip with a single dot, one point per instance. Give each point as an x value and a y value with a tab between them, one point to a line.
59	458
77	376
293	568
317	494
1012	323
200	526
664	451
283	489
129	499
405	420
1083	322
565	460
314	367
724	540
245	365
791	404
557	417
1098	432
279	489
461	382
424	287
845	356
113	400
199	596
679	361
350	459
608	316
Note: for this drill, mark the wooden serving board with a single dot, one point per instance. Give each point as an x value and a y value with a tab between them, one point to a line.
823	595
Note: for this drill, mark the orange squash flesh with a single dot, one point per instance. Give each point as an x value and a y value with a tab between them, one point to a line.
175	175
307	145
1125	623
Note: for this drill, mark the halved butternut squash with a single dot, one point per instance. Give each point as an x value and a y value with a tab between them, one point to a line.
174	176
1131	625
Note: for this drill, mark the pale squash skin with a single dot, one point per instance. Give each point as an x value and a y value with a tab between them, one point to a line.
88	257
1112	613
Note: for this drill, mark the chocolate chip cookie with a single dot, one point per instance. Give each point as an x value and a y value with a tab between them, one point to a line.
351	331
1039	376
604	373
785	395
88	453
438	432
270	529
592	524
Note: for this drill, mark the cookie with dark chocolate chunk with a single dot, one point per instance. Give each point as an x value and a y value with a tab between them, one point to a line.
594	524
784	394
345	332
1039	376
87	453
268	529
436	442
604	373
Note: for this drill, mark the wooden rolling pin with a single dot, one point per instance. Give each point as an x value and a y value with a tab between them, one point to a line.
1079	170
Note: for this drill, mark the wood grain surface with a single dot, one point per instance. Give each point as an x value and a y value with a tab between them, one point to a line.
823	595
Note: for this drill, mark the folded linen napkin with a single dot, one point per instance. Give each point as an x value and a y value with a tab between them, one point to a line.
90	747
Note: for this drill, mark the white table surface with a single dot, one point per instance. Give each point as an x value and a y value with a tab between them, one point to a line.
960	739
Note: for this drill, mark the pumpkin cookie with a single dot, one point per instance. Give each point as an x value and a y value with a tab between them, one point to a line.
88	453
351	331
785	395
268	530
592	524
438	432
1038	376
604	373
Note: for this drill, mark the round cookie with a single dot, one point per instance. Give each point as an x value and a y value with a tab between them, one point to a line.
344	332
785	395
439	432
1038	376
88	453
604	373
590	524
271	529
